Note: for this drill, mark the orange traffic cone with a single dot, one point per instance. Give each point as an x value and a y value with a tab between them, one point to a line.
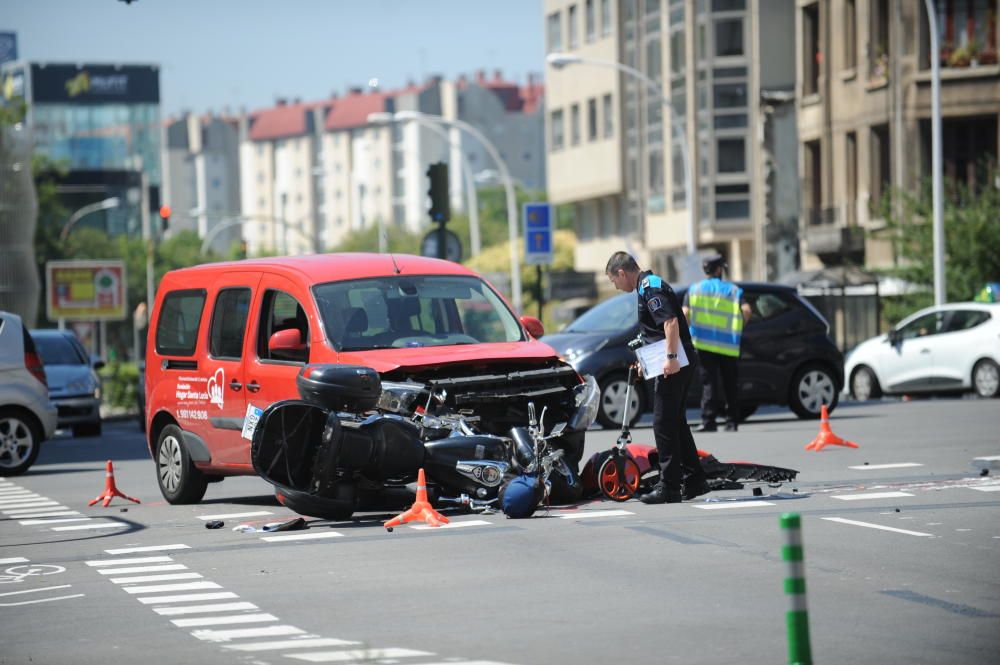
421	510
826	437
110	490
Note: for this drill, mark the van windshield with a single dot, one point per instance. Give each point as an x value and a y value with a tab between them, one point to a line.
618	313
413	311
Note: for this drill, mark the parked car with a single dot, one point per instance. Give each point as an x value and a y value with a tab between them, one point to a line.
227	339
951	348
27	416
787	355
74	386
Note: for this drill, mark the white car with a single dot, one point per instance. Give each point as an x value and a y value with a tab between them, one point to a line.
27	416
954	347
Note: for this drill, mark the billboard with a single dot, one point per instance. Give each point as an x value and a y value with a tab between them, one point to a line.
85	290
95	84
8	47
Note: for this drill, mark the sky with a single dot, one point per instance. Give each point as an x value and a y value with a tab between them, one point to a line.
217	54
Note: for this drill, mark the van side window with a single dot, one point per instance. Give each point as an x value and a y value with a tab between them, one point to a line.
281	311
177	326
764	306
229	323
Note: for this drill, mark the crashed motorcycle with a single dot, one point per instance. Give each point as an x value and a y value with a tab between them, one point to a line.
354	441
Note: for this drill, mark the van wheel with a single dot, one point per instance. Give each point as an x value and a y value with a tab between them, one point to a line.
986	378
812	387
20	441
180	481
612	401
864	384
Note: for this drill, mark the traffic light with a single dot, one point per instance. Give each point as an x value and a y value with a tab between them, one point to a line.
165	216
440	210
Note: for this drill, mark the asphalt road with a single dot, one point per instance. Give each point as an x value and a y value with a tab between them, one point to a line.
902	562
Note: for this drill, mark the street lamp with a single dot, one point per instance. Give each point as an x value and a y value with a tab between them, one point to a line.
106	204
508	183
936	184
246	219
560	60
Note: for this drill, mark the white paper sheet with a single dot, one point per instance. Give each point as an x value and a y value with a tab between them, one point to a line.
653	356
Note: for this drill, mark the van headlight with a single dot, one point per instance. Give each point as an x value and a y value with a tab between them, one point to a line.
587	398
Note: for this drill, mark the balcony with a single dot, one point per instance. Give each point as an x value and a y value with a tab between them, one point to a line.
826	236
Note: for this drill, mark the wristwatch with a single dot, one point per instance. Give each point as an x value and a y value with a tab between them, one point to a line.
671	356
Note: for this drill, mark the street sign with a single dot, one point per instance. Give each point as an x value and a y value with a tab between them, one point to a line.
85	290
539	226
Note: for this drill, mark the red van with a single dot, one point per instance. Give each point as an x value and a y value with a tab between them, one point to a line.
229	339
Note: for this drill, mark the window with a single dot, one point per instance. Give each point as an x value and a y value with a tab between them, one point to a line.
677	52
177	326
964	319
592	119
556	130
812	197
590	18
728	5
850	34
730	95
810	50
605	18
229	322
928	324
731	155
609	119
729	37
554	32
851	158
574	124
764	306
731	121
881	171
281	311
878	39
732	209
571	27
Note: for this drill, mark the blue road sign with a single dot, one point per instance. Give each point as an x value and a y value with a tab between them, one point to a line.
538	229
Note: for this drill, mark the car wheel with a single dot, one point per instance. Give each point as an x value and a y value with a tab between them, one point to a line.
812	387
180	481
612	405
20	441
89	429
986	378
864	384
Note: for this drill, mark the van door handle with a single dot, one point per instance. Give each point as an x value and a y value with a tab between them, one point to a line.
925	350
235	385
253	386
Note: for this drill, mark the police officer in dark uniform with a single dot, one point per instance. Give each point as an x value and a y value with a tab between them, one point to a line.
660	318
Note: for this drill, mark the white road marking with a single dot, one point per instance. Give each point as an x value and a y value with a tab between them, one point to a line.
148	548
34	510
50	521
582	515
141	569
187	598
963	530
240	633
47	588
220	517
33	503
157	578
58	513
364	655
187	586
987	488
466	662
841	520
40	600
95	525
991	458
720	505
122	562
302	536
301	643
14	497
871	495
204	609
451	525
223	621
13	559
872	467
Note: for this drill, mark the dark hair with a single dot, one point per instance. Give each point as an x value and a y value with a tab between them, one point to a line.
621	261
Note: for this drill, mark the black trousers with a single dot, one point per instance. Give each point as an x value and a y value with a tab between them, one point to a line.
674	442
715	369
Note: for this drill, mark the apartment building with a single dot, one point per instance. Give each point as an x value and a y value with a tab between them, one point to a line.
724	74
864	109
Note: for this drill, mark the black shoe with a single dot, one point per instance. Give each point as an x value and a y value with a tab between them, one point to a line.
660	494
706	427
731	427
695	488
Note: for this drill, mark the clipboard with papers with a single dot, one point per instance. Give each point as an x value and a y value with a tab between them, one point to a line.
653	356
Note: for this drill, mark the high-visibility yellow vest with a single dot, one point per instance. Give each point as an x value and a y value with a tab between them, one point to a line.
715	321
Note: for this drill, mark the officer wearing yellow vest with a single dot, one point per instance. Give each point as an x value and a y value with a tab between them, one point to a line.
717	311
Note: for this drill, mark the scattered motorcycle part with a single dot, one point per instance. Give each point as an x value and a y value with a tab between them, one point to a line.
244	528
294	524
214	524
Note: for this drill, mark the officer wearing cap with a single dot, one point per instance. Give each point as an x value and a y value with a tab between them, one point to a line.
660	318
717	311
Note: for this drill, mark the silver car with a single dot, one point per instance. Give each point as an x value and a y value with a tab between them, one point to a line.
27	416
73	384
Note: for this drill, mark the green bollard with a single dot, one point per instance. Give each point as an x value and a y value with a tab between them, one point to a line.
799	652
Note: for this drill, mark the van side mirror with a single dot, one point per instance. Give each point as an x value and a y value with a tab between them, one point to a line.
533	326
98	364
892	336
286	342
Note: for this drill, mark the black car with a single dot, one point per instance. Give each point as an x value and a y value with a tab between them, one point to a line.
787	355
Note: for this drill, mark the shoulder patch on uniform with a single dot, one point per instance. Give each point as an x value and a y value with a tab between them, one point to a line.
654	281
654	304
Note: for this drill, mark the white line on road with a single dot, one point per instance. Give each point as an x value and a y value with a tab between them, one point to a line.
991	458
841	520
49	521
157	578
141	569
220	517
121	562
363	655
300	643
14	559
987	488
223	621
44	588
451	525
872	467
147	548
187	598
204	609
46	509
872	495
158	588
33	503
40	600
582	515
20	496
240	633
96	525
302	536
719	505
58	513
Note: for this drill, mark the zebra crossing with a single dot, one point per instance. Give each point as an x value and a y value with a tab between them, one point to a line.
32	509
